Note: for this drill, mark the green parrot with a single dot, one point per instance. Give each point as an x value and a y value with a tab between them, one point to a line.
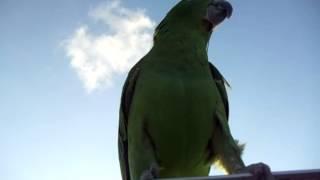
174	106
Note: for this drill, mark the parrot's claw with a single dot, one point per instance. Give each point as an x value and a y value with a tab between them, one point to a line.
260	171
151	173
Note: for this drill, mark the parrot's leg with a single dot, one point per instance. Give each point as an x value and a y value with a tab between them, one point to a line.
153	170
151	173
144	161
259	171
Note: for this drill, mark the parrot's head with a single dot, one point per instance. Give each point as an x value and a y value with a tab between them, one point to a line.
216	12
194	16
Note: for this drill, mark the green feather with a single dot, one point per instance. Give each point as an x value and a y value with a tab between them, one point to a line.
174	106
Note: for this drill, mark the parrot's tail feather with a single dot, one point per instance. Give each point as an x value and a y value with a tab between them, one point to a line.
218	165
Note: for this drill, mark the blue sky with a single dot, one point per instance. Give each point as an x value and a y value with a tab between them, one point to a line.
53	125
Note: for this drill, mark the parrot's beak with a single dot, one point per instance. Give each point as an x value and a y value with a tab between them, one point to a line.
224	6
217	11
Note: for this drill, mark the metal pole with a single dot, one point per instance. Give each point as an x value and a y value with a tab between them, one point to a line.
312	174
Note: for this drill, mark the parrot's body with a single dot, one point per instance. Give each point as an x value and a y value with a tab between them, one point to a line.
174	106
178	140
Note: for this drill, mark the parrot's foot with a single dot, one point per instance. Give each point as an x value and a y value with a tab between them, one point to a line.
151	173
260	171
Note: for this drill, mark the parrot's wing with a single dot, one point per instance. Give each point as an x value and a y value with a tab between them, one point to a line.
228	153
221	84
126	99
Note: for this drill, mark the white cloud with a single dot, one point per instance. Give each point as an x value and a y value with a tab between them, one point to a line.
97	58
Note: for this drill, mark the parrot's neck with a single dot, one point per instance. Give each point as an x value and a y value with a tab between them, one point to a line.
188	45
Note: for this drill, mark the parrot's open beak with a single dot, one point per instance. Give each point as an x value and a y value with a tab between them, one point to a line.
217	11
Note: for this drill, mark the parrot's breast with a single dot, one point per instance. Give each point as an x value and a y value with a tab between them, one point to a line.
176	104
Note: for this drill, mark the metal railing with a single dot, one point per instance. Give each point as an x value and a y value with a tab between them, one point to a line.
313	174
